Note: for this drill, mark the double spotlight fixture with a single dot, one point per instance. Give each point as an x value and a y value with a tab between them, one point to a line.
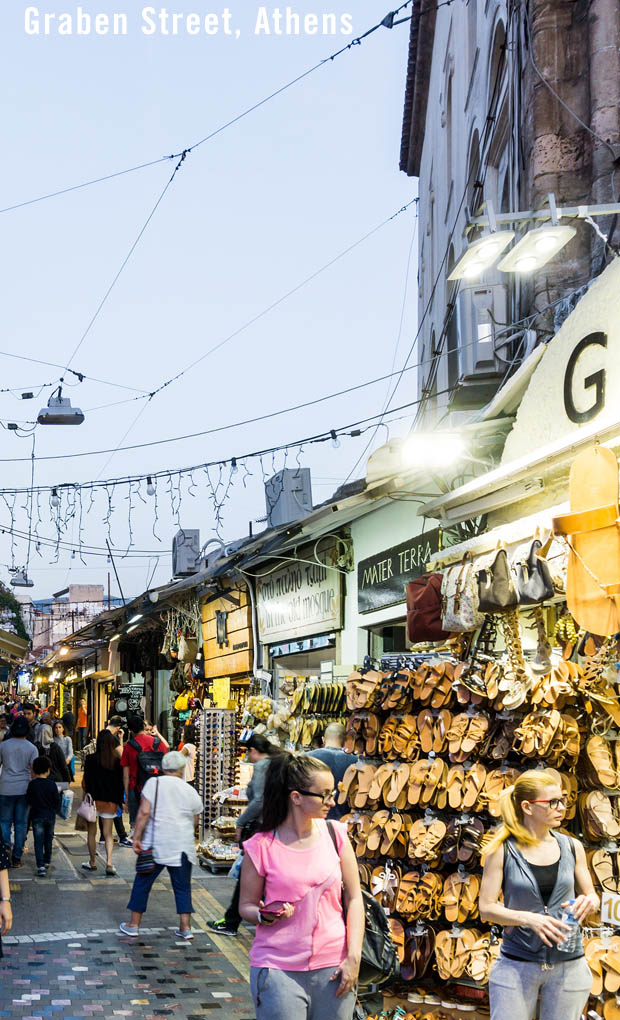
533	250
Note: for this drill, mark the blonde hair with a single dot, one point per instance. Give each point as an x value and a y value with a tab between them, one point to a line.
528	786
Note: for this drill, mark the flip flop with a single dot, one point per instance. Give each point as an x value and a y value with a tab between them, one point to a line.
365	776
474	782
375	833
425	723
454	786
398	937
593	535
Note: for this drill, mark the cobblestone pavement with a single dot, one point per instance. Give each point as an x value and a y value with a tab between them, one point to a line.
65	958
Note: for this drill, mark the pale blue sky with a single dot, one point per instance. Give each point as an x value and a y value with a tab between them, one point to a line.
249	215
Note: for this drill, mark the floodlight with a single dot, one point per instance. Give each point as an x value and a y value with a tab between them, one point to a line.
481	255
536	248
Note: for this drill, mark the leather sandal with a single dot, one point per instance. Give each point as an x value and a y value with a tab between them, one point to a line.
474	782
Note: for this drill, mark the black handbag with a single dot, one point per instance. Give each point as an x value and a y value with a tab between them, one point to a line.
145	861
532	575
379	961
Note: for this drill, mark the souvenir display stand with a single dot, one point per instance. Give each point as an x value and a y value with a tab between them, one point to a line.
514	684
216	769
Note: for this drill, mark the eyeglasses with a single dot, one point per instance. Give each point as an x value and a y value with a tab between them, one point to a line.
325	797
554	803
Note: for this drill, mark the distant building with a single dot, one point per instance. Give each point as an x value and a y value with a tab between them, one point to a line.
50	621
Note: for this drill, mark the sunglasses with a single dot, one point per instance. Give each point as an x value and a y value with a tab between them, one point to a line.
554	803
325	797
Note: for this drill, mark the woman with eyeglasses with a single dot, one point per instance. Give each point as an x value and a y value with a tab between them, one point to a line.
306	953
538	871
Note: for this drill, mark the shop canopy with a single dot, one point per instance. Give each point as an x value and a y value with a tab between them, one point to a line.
12	647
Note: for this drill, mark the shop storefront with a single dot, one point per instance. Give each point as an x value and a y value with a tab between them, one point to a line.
522	678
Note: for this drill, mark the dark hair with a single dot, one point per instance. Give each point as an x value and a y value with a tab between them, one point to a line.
286	772
115	720
41	765
135	723
57	722
20	727
105	749
27	707
259	743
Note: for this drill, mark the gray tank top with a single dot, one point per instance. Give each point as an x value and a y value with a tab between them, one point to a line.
521	892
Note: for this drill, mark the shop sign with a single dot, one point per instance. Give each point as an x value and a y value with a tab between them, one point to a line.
381	579
572	383
299	599
610	909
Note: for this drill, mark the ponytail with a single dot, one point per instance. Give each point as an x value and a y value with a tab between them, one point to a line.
286	772
528	786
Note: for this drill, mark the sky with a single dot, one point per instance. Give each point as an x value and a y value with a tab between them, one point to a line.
249	215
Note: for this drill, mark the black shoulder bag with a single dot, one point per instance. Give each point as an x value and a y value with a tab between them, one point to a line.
379	960
145	862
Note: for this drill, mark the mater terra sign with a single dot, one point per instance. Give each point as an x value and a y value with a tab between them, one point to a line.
381	579
299	599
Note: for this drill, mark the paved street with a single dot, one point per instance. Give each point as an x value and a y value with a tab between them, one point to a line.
65	959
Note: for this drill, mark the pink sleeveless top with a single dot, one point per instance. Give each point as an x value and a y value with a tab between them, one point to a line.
315	936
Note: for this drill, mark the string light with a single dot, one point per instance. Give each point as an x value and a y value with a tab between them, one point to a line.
55	498
150	488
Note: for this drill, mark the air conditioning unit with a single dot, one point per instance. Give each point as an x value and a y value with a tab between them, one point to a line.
288	496
186	552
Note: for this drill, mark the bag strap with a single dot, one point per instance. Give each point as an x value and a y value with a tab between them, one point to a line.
330	826
156	743
135	745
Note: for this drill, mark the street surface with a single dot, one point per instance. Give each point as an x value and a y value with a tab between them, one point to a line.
64	957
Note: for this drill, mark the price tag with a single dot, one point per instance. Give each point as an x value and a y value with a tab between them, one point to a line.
610	909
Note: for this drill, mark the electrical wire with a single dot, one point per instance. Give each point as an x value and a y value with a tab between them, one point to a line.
80	375
386	22
353	429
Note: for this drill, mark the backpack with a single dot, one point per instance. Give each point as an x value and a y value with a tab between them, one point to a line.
149	761
379	961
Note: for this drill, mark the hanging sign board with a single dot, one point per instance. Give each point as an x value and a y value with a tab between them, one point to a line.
381	579
610	909
299	598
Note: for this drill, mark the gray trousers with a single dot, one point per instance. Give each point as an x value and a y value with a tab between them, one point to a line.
302	995
514	988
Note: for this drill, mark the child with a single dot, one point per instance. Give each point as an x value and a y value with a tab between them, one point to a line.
43	798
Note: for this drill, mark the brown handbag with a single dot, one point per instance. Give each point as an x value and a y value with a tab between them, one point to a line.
424	609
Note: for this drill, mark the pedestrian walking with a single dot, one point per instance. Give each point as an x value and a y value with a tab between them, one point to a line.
43	732
332	755
60	772
260	752
17	754
28	711
5	720
139	741
169	810
188	749
68	721
63	742
43	799
103	780
305	959
539	872
115	726
82	725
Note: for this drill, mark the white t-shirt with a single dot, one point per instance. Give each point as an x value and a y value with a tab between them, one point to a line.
173	835
190	767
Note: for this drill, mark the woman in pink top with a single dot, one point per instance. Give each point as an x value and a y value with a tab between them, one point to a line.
306	956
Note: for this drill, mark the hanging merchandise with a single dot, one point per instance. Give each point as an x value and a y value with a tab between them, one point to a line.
424	609
496	589
592	532
188	647
531	573
440	737
459	595
181	703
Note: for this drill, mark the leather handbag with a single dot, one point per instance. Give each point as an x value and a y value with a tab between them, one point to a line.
531	573
87	809
459	597
424	609
496	588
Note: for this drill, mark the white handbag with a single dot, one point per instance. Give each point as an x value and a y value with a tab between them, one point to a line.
459	598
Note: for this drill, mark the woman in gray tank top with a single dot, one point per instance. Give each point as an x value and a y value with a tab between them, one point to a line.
538	871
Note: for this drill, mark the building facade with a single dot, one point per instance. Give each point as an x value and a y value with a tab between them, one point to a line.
482	124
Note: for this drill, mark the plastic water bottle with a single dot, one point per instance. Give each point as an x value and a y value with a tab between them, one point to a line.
571	941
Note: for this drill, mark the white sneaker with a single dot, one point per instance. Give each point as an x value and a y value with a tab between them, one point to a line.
186	935
128	929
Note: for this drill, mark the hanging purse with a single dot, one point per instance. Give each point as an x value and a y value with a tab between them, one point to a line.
531	573
424	609
181	703
496	589
188	648
459	598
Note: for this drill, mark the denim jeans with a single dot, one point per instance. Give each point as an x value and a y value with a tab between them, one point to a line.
514	987
14	814
43	832
81	737
181	878
133	801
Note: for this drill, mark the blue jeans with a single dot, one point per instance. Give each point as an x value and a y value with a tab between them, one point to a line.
181	878
14	814
81	737
43	832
